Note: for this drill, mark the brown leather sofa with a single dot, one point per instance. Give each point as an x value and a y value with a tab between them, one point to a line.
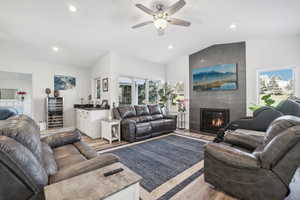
144	121
260	173
28	164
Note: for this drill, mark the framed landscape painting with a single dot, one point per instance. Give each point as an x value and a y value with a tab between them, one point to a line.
64	82
214	78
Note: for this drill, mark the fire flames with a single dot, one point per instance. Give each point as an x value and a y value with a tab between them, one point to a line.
217	122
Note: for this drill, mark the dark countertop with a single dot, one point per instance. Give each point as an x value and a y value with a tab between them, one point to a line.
88	107
91	109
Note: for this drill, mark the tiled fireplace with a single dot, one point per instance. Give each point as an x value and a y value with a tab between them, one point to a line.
211	119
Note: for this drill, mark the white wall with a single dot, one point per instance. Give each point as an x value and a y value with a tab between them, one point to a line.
114	65
270	54
43	77
101	70
178	71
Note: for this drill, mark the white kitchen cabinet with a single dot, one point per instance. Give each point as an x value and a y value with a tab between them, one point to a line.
88	121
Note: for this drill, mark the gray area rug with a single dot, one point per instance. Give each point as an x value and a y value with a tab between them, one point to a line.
157	161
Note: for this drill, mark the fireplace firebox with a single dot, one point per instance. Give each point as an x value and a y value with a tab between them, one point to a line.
212	119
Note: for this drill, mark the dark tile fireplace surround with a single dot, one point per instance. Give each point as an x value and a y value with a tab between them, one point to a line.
212	119
234	100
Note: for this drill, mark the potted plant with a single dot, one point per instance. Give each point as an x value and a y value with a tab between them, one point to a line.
268	101
167	96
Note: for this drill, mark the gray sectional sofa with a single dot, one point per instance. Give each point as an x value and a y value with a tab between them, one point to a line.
29	163
144	121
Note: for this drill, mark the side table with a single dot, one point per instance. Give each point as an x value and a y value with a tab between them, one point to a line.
181	120
110	130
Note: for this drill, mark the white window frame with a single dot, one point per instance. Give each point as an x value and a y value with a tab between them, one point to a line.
293	68
134	90
95	87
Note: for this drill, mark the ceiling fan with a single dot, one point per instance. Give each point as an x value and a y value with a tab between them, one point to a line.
162	16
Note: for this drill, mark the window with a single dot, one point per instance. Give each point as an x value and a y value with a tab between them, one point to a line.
134	91
98	88
280	84
141	90
153	92
8	94
125	91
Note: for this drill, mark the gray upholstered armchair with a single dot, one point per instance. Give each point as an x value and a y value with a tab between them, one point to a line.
264	173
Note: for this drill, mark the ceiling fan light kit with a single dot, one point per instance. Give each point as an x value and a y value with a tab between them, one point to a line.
160	23
161	17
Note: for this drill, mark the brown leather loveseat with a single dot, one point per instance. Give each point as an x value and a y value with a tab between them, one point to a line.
28	164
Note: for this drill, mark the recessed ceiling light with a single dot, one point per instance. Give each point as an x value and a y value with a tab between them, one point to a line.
55	48
170	47
72	8
233	26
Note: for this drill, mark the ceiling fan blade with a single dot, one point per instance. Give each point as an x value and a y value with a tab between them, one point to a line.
142	24
161	32
179	22
145	9
175	7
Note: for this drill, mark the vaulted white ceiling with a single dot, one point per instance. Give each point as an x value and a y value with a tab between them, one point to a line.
28	28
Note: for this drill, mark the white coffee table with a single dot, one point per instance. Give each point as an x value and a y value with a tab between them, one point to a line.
110	130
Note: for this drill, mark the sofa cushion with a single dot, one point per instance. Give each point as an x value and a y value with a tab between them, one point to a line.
25	132
245	138
141	119
135	119
169	124
157	116
145	118
65	151
142	110
84	167
23	162
126	111
157	125
70	160
143	129
48	160
154	109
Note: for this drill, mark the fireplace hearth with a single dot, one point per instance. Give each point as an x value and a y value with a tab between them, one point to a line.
212	119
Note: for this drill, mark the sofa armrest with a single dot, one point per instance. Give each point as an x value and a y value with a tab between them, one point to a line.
231	156
84	167
61	139
86	150
245	140
261	120
261	109
128	130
